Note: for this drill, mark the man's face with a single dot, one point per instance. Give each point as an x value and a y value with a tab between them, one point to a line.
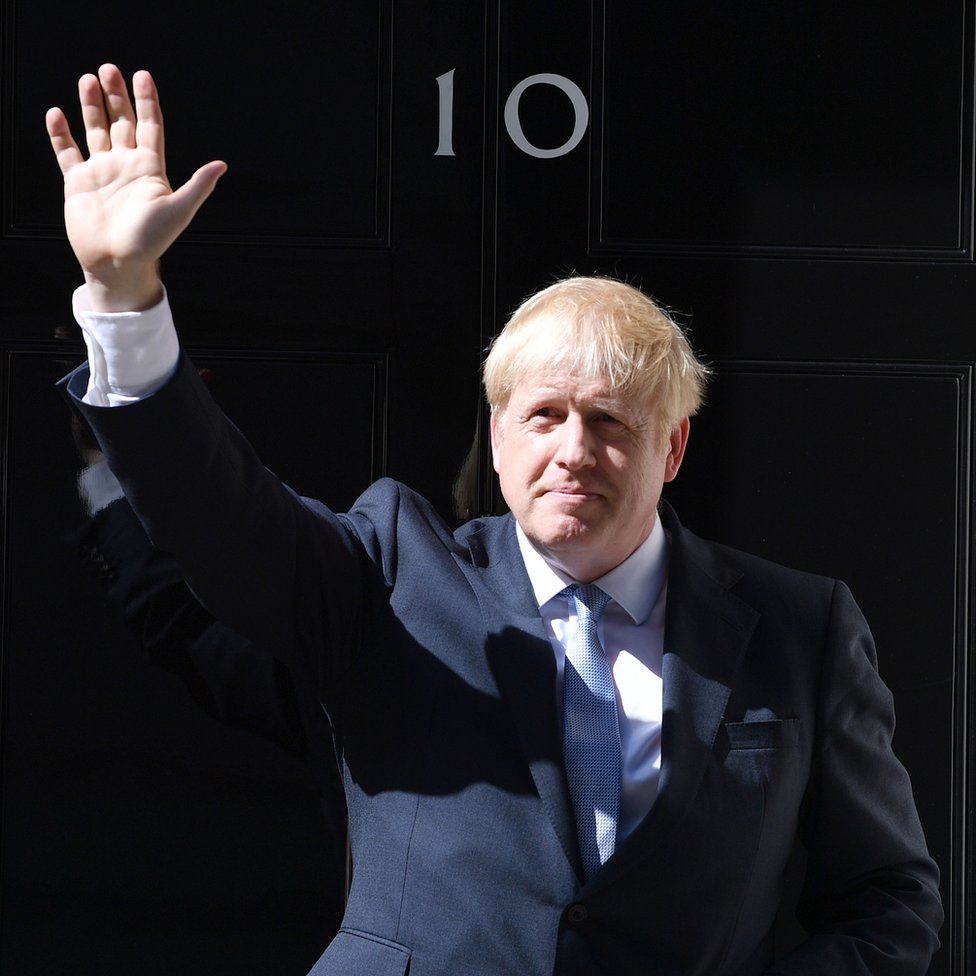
582	469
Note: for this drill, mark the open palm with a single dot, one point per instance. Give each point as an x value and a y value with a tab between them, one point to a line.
120	212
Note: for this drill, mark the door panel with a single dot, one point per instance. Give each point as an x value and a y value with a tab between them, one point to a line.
794	181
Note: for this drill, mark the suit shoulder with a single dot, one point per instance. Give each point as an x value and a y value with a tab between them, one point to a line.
756	579
390	518
484	523
391	500
383	510
765	568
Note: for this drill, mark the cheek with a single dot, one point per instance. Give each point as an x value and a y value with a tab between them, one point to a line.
519	462
528	457
622	468
636	475
531	470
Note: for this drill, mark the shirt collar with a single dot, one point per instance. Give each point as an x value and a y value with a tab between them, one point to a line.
635	584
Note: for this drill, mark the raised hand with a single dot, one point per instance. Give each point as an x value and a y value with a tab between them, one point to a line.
120	212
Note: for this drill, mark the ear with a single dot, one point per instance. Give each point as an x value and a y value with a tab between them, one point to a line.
677	443
496	439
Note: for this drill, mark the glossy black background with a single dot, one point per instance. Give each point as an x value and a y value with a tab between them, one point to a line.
794	180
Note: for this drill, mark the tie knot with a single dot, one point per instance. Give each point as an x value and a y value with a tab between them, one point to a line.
590	600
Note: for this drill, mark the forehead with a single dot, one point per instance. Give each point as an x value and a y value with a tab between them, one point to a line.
571	387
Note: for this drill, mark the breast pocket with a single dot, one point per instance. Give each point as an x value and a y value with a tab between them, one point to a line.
353	953
781	733
767	755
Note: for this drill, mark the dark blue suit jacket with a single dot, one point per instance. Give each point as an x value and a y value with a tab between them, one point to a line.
235	682
430	654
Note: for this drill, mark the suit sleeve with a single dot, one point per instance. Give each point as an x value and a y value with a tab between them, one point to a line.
231	679
871	900
258	558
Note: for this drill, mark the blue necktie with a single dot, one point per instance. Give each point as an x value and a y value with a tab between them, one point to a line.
591	736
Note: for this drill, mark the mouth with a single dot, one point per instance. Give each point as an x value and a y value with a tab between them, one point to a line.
573	495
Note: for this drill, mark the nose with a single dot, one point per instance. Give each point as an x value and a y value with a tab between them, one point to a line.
575	447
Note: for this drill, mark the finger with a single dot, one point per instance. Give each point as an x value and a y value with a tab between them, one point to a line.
93	113
121	118
149	116
62	142
186	201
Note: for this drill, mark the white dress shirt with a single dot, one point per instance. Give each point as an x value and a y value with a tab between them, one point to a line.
632	633
131	354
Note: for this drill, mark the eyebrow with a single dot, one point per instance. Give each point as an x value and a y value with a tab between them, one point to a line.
601	401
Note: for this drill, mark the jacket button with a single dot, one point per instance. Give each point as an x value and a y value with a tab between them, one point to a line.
577	914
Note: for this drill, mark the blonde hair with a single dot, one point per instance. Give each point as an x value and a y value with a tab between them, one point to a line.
599	328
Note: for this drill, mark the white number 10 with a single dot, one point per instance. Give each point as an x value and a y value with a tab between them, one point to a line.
513	124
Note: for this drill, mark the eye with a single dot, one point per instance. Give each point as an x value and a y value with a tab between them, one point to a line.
543	413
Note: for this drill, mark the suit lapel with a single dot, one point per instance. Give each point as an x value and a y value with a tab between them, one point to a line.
707	629
521	659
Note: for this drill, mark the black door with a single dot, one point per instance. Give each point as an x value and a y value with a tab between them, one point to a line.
793	180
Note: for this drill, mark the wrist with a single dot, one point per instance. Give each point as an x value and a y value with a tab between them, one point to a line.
124	290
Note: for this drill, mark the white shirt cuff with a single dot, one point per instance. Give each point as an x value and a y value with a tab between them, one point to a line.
130	354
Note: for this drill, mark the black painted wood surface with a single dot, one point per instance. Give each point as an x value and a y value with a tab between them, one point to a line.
794	180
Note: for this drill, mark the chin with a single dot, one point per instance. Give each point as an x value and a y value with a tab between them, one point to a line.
562	533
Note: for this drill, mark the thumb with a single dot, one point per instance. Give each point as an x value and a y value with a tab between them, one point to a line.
188	199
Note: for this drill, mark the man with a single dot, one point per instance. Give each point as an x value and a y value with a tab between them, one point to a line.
576	739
